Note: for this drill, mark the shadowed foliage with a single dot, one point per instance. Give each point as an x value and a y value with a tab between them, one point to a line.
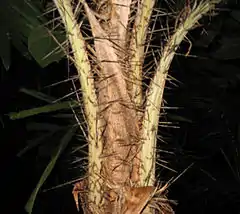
206	142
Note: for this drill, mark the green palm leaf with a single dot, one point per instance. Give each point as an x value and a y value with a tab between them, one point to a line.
42	109
63	144
26	32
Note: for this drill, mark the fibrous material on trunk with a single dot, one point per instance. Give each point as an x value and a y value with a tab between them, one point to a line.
122	120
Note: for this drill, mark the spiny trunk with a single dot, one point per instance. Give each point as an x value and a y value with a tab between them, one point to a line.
117	112
122	144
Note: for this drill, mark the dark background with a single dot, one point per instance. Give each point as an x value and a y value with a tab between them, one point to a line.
207	138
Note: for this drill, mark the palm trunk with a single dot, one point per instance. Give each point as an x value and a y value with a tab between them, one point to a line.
121	130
